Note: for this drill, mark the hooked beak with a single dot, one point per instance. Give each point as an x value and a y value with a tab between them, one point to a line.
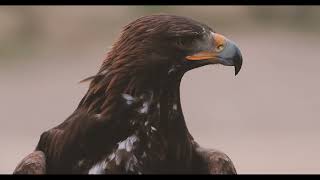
225	52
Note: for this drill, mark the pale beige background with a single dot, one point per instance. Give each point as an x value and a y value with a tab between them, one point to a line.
266	119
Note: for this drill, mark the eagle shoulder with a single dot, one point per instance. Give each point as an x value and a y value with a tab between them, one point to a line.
34	163
212	161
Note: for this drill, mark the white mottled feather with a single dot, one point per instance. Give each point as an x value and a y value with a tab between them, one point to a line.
175	107
98	168
145	108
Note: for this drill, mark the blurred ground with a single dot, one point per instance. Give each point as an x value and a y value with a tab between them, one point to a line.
266	119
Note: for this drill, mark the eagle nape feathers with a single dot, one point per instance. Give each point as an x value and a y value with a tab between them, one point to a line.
130	120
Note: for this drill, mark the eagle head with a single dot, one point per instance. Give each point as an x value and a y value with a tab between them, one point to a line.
172	44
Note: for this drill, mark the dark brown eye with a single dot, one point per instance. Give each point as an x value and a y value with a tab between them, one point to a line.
185	43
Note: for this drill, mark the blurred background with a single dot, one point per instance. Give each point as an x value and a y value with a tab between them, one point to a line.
266	119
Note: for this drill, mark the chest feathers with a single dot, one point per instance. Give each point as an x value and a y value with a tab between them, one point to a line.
159	141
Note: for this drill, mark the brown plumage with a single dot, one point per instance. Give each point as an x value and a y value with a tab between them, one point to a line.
130	120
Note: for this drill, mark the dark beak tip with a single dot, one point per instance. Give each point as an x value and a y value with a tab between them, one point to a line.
236	72
237	65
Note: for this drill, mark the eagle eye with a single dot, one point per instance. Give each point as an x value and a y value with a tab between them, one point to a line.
185	42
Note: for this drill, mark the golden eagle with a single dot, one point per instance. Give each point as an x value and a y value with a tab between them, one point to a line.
130	120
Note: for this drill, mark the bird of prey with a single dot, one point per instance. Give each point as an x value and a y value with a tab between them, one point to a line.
130	120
